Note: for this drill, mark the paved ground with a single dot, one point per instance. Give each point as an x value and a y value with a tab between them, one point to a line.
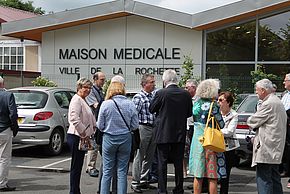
34	173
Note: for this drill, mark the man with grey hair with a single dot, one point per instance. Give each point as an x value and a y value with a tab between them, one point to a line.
144	157
173	105
8	128
190	86
270	124
118	78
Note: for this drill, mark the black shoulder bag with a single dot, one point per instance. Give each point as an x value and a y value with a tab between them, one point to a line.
135	133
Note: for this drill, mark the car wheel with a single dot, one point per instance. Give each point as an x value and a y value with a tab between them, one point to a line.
55	143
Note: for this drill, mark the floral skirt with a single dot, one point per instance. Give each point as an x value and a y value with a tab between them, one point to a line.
205	162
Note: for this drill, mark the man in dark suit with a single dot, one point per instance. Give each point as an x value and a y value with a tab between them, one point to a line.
8	127
173	106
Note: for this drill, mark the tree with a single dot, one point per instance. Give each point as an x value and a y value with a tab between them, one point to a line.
188	67
26	6
260	74
42	81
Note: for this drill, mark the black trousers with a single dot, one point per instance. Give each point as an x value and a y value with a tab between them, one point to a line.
230	159
77	162
163	151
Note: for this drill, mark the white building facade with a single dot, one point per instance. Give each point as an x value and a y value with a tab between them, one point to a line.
132	38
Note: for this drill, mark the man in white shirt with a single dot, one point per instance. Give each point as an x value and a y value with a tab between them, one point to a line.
286	102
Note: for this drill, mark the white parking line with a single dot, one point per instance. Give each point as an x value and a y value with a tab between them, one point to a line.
46	166
35	167
61	161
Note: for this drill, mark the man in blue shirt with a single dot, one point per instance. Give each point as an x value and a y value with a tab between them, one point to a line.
144	157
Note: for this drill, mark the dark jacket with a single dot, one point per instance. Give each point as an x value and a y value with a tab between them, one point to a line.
173	106
8	112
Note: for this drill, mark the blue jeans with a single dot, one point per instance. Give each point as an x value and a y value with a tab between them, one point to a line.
116	152
268	179
77	162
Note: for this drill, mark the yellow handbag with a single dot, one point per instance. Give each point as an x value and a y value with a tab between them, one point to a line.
213	138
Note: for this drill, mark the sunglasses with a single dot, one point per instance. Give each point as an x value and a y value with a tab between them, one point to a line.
221	100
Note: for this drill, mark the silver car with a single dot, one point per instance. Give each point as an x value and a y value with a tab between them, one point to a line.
243	132
42	116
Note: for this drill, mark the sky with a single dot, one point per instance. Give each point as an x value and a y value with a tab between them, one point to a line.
188	6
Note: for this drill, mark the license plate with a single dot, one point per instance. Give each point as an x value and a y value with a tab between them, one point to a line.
20	120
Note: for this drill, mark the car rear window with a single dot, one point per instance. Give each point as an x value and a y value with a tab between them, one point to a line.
27	99
248	105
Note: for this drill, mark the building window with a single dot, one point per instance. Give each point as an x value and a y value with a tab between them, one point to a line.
235	43
11	58
274	38
232	76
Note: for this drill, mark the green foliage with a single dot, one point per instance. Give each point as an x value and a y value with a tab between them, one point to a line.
26	6
42	81
188	67
106	85
260	74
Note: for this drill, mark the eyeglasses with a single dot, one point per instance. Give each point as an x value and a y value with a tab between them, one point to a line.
221	99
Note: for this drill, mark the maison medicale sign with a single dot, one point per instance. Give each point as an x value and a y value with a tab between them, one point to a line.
119	54
130	46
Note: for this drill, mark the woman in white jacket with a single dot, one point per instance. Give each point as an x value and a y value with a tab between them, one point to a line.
230	118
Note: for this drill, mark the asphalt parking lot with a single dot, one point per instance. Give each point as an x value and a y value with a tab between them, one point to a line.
32	172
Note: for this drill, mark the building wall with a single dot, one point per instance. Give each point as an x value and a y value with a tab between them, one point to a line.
151	46
31	58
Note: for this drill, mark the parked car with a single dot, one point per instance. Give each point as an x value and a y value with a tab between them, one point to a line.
131	93
239	99
246	108
42	116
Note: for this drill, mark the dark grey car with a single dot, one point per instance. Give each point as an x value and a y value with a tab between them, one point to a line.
42	116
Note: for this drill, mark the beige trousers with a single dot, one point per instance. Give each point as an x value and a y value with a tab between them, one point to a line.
92	157
5	155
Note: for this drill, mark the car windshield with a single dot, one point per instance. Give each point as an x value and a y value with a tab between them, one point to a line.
27	99
248	105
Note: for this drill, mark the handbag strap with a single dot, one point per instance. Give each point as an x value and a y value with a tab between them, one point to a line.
209	113
121	114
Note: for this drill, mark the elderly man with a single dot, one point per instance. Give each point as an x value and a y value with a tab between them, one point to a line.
190	86
173	106
8	128
270	121
94	100
286	103
144	157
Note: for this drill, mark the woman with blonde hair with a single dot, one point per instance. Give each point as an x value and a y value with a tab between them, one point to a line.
203	163
117	117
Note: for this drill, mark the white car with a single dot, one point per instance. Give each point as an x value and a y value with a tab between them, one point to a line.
42	116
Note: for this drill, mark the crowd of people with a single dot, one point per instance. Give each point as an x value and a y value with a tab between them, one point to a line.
169	120
172	120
